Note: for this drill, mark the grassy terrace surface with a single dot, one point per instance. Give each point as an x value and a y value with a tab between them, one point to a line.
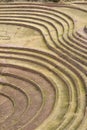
43	66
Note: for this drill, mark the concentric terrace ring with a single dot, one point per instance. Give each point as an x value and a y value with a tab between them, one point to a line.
43	88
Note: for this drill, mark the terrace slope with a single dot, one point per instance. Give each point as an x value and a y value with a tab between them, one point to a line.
43	66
